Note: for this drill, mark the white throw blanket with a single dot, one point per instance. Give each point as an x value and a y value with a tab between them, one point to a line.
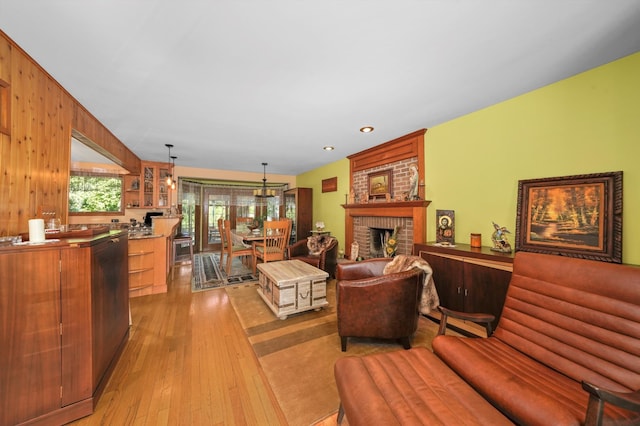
429	300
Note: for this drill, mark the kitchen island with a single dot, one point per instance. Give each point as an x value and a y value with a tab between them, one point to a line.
65	310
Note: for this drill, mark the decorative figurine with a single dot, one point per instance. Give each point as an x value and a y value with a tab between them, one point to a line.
499	238
413	182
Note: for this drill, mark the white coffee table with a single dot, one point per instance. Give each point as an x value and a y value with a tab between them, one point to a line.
292	286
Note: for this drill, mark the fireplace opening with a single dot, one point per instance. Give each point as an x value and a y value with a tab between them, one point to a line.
377	239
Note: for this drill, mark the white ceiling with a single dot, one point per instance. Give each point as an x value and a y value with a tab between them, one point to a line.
234	83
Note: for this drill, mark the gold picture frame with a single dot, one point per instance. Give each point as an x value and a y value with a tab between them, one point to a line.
380	183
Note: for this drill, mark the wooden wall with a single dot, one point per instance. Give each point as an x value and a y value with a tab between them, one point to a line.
35	155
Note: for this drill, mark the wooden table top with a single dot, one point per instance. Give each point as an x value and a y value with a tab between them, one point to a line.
246	235
291	271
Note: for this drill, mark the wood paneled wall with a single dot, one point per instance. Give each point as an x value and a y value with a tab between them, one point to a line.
35	156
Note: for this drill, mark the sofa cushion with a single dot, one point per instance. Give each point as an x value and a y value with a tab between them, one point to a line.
318	243
579	317
522	388
408	388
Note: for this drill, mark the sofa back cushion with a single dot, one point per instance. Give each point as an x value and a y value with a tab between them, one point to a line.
319	243
579	317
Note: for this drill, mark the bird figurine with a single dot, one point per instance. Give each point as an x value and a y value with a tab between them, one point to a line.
499	238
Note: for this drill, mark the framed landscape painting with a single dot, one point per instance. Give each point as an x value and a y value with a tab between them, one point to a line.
380	183
577	216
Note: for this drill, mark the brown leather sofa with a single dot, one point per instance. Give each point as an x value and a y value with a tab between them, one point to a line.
565	352
326	260
370	304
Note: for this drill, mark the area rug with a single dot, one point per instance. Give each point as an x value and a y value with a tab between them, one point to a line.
207	273
298	354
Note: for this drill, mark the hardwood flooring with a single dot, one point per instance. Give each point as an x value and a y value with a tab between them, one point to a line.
187	362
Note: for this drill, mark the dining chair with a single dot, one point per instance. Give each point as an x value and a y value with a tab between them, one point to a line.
273	247
243	224
223	240
234	249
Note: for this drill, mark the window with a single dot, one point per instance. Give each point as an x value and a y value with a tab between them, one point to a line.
95	193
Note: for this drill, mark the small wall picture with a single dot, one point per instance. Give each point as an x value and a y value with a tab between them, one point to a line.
445	231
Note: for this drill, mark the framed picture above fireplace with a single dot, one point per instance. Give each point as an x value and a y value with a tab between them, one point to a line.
380	183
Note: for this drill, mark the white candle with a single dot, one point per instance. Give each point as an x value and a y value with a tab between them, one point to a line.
36	230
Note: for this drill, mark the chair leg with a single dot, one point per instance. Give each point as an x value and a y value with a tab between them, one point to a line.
229	259
343	343
340	414
405	342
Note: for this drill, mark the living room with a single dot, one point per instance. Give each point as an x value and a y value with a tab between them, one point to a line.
583	124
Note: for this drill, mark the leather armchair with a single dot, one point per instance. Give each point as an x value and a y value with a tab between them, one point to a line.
326	260
370	304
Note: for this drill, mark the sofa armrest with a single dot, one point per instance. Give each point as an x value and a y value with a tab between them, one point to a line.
299	248
363	269
479	318
597	398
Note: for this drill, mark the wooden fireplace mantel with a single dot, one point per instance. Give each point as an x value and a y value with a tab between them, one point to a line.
417	210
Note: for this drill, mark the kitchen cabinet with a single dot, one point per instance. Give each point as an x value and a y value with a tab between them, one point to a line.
65	311
469	279
298	205
147	265
132	191
150	190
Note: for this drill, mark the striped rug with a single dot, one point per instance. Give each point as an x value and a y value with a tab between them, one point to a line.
208	274
298	354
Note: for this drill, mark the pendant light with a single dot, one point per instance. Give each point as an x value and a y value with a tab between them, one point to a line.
264	192
169	176
173	165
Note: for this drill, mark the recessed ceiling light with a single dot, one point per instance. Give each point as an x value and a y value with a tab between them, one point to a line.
366	129
328	148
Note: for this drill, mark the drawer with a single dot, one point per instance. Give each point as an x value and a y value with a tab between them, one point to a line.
142	261
139	279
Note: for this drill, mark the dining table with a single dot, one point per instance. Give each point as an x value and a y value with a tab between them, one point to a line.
246	238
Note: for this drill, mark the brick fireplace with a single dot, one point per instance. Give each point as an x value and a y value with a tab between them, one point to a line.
385	213
410	216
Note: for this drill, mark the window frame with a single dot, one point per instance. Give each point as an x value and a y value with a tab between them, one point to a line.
120	212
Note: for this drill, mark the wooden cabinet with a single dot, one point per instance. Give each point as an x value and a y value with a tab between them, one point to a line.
132	191
150	190
469	279
65	312
147	265
298	206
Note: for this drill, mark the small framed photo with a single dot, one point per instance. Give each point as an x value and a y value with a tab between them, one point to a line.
445	231
380	183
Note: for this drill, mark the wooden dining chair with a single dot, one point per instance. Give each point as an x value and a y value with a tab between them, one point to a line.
273	247
223	240
234	249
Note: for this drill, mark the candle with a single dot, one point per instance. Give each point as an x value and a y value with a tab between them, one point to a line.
476	240
36	230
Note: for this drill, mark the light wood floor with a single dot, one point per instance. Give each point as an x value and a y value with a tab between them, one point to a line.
187	362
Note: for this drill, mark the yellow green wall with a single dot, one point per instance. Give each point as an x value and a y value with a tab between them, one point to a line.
584	124
327	206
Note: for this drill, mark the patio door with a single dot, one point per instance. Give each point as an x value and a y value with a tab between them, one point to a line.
215	206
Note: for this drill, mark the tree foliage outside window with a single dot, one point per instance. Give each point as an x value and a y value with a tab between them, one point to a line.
94	193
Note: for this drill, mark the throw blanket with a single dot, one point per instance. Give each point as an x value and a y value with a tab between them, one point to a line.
400	263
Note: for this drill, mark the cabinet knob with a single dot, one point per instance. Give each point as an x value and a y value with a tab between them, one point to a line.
459	289
466	292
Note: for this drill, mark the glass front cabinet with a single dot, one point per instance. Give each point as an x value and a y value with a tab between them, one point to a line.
150	190
298	206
